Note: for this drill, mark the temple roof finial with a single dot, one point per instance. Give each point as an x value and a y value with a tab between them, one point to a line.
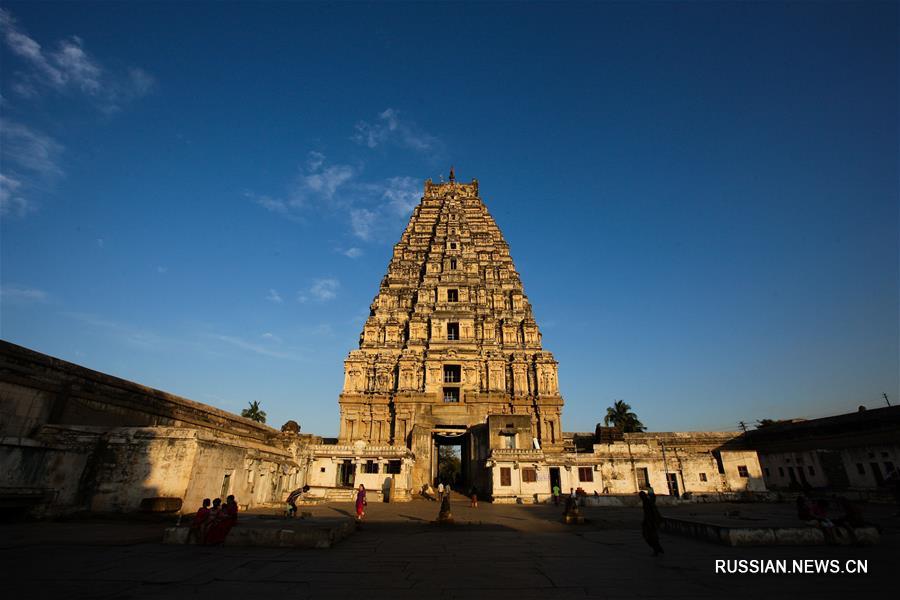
452	175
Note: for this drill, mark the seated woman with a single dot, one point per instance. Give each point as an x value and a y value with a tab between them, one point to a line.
195	533
222	523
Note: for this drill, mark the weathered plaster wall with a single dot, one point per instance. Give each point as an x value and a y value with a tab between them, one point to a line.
702	463
75	439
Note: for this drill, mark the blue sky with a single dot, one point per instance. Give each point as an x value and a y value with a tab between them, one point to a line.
701	198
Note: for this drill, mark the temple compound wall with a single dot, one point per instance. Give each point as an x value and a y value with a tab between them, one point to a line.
73	439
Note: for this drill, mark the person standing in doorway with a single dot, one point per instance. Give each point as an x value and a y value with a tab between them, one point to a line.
360	503
556	492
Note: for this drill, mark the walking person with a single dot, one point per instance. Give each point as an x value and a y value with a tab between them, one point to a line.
440	489
292	500
473	494
360	503
652	521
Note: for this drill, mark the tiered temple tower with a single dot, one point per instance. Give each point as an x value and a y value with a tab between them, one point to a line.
450	337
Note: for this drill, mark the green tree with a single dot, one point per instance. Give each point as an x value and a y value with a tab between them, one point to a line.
254	413
766	422
449	464
620	415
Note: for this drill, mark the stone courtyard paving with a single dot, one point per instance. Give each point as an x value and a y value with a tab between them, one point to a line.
494	551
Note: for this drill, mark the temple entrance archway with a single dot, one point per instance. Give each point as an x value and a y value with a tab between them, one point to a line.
450	457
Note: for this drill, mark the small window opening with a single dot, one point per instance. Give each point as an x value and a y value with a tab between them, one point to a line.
452	264
742	471
451	394
452	331
643	478
452	374
702	476
452	295
393	467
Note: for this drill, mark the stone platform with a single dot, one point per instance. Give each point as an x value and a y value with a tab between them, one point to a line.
275	532
772	536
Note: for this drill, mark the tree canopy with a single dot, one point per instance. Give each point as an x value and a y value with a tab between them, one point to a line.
620	415
254	413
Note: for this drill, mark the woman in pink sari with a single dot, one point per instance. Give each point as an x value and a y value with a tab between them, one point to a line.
360	502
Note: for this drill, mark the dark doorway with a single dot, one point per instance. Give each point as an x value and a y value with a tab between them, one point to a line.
802	476
794	483
879	478
672	480
451	460
346	473
554	479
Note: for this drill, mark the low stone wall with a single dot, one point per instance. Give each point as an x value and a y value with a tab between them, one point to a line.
306	533
771	536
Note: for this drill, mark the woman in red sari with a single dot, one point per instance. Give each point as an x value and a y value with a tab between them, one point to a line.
224	521
360	502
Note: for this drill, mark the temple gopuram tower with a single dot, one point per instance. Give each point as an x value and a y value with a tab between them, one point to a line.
450	339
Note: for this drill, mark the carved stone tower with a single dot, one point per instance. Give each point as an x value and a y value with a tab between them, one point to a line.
450	337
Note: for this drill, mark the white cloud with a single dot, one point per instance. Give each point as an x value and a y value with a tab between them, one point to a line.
352	252
319	186
274	296
11	200
390	128
28	162
255	348
270	337
17	293
76	66
70	68
162	270
122	331
323	329
319	183
370	208
314	161
274	205
321	290
402	194
362	222
29	149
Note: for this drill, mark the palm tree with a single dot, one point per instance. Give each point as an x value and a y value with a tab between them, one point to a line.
254	413
619	415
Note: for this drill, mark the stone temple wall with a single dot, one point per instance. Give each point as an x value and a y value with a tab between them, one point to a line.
74	439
